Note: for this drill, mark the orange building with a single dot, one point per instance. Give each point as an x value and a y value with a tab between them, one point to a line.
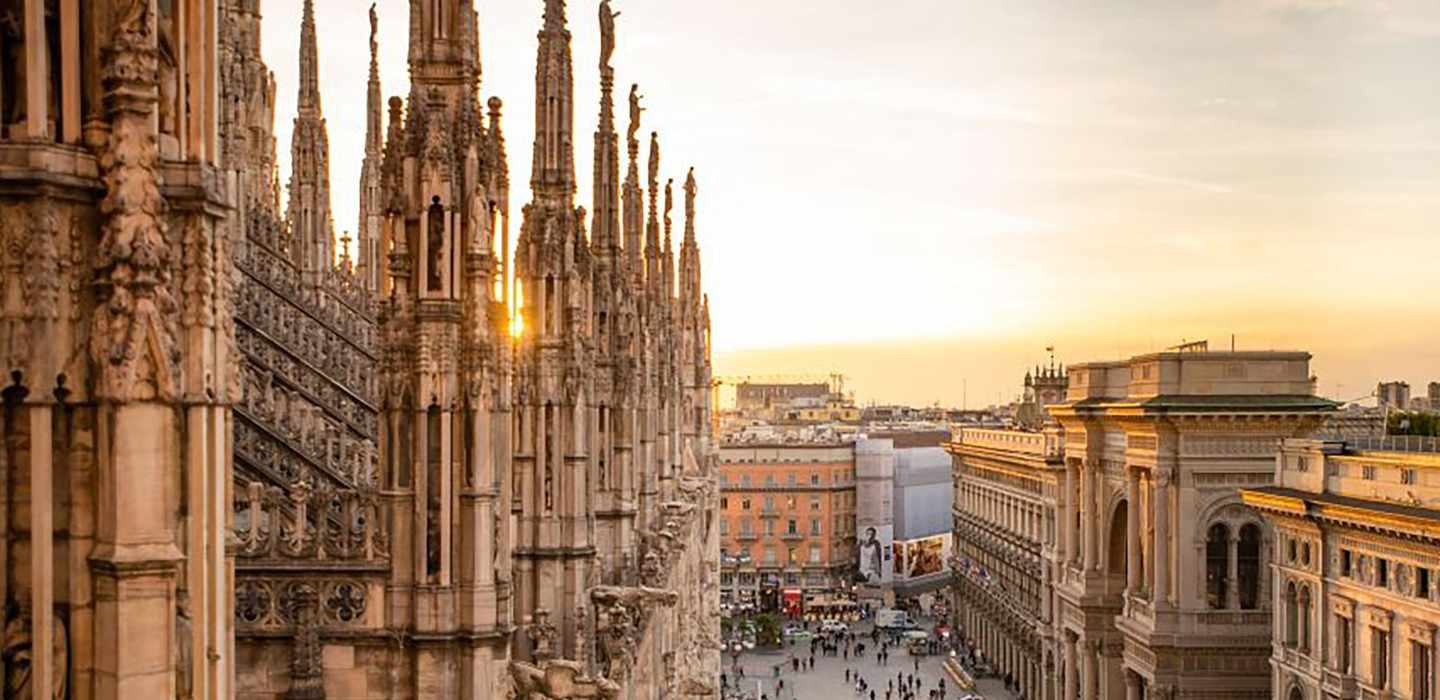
787	523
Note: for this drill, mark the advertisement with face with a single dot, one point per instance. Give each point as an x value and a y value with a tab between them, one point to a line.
925	556
876	566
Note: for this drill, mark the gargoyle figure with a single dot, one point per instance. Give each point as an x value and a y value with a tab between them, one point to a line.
558	679
633	596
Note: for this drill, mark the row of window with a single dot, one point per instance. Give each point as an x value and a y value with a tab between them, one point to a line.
1368	472
749	579
792	527
771	555
791	480
746	502
1422	656
1382	573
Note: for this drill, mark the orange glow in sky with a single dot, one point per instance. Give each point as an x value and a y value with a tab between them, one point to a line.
924	194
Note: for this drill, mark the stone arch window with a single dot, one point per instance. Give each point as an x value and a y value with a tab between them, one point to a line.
1247	567
1119	525
1292	616
1217	566
1304	622
1295	694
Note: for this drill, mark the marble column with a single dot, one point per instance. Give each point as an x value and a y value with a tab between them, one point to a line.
1067	514
1162	537
1092	670
1132	531
1132	685
1089	523
1070	674
1232	573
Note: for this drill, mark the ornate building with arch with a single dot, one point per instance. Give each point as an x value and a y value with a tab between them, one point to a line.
1109	555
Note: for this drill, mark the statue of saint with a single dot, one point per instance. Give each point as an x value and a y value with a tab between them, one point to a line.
669	203
654	156
690	190
607	34
635	110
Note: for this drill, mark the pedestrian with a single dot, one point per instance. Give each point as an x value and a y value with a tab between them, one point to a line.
780	688
847	675
795	664
917	665
872	695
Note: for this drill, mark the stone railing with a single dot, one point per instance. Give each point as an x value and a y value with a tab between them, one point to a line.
1042	444
311	524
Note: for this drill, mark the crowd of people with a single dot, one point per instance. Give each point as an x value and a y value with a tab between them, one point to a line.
875	645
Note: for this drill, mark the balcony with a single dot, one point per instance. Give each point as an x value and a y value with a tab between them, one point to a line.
769	512
747	536
792	536
1339	685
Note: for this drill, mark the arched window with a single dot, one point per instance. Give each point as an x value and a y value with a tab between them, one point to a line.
1247	569
1292	617
1295	694
1217	565
1118	531
1304	625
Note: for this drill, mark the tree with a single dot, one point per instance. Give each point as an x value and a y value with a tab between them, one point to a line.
767	629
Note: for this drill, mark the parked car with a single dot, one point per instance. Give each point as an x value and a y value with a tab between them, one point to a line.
795	631
832	626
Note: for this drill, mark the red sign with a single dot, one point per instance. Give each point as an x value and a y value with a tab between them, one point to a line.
790	598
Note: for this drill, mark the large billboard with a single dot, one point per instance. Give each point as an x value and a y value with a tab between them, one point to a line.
874	512
921	557
876	565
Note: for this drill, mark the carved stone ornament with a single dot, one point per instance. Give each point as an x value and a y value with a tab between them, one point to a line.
132	339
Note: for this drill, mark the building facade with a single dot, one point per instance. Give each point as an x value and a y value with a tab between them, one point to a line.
1005	557
1354	578
1109	555
1156	449
787	523
1394	395
238	463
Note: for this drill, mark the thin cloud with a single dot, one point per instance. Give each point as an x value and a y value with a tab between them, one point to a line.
1187	183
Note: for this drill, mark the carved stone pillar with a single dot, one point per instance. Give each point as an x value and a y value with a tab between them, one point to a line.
1133	565
1132	685
1067	514
1162	536
1091	658
1232	573
1070	670
1089	518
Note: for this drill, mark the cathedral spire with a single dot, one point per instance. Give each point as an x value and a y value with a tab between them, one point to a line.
372	206
311	230
690	250
606	222
374	101
634	199
553	172
669	254
309	98
652	225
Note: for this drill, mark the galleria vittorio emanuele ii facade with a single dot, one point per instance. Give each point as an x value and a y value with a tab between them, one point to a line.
240	461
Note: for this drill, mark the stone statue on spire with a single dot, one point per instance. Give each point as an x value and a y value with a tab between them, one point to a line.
670	202
654	157
690	196
607	34
635	110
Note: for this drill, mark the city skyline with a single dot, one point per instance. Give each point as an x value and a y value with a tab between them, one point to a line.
1109	180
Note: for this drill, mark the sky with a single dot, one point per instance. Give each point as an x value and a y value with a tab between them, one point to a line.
923	195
